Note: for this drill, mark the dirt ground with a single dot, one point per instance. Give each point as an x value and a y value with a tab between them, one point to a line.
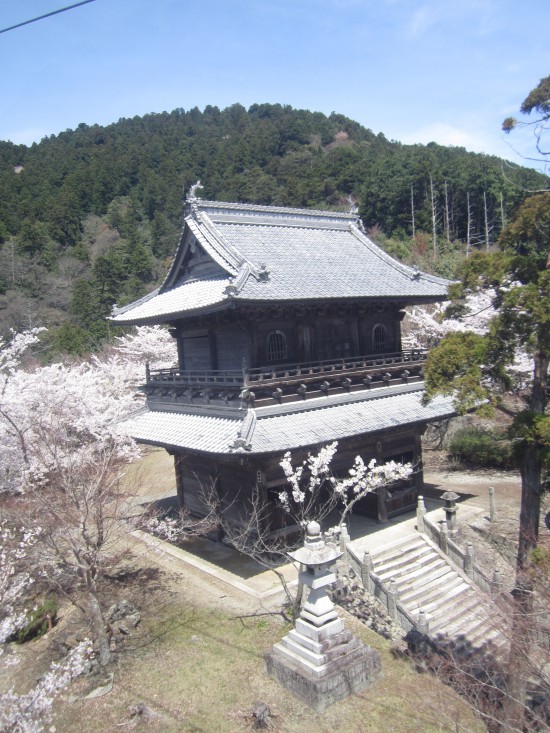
195	663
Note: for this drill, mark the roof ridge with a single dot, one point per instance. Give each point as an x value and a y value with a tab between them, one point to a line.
324	403
228	255
243	441
119	310
265	209
227	249
411	272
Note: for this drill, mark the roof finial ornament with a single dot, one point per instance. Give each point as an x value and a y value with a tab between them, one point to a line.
353	208
191	194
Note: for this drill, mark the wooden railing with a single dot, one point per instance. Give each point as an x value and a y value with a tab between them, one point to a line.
302	372
200	378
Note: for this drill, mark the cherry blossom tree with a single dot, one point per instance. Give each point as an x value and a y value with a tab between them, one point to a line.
313	493
29	712
123	363
304	500
63	455
425	326
15	580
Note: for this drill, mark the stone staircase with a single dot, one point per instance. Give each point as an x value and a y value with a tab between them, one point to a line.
457	612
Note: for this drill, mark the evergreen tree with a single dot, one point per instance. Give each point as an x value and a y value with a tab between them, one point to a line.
469	366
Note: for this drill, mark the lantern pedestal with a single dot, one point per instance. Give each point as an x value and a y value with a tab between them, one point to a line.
319	660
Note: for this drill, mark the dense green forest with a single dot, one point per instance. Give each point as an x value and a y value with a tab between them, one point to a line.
91	216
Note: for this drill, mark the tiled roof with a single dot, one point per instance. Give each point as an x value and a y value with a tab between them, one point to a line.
308	263
316	421
282	254
196	294
286	432
181	430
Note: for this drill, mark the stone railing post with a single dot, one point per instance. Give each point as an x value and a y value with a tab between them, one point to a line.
246	376
497	581
422	624
492	508
344	537
469	560
444	538
392	600
450	497
366	568
420	513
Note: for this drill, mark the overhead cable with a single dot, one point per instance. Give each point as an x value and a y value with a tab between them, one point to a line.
46	15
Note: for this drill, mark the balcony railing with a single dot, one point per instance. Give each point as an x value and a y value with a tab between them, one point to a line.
272	376
312	371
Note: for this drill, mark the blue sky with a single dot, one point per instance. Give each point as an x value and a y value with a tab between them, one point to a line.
416	70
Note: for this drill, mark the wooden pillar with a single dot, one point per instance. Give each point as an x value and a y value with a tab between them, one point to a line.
178	460
381	491
418	466
213	349
181	359
399	316
354	327
382	507
254	349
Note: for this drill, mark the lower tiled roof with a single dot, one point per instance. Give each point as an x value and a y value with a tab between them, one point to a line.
317	422
196	294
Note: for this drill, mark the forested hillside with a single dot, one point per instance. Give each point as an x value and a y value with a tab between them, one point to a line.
90	217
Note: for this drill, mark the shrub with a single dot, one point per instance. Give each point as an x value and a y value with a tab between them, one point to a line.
477	448
39	621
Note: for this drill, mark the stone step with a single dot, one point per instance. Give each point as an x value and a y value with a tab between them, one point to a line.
393	562
457	600
425	585
458	613
410	540
430	592
404	580
455	612
466	618
484	634
471	637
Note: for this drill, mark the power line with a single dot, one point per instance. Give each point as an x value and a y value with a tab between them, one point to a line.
47	15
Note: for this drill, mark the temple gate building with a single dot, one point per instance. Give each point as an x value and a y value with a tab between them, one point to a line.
288	328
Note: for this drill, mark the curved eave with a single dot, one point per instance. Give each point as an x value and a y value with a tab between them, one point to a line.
257	434
199	296
126	319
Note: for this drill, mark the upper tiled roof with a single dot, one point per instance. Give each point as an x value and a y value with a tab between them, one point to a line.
306	424
281	254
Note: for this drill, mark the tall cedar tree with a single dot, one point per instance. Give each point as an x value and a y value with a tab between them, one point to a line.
467	365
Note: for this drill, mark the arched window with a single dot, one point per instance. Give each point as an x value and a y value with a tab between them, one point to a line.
379	337
276	346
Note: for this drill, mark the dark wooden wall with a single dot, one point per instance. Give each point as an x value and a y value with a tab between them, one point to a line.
233	478
224	340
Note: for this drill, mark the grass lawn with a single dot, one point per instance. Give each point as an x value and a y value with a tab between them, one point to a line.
202	670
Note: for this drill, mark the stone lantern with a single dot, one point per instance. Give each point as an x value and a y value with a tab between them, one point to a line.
450	497
319	660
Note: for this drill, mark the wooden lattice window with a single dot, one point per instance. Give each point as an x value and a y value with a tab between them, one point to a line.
276	346
379	337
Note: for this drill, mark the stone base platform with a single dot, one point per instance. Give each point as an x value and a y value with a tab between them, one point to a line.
345	677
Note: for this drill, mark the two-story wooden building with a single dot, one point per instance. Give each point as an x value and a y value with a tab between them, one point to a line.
288	327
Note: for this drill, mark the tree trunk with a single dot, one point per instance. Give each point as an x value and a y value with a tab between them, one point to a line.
486	221
524	611
101	638
412	213
434	217
531	469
